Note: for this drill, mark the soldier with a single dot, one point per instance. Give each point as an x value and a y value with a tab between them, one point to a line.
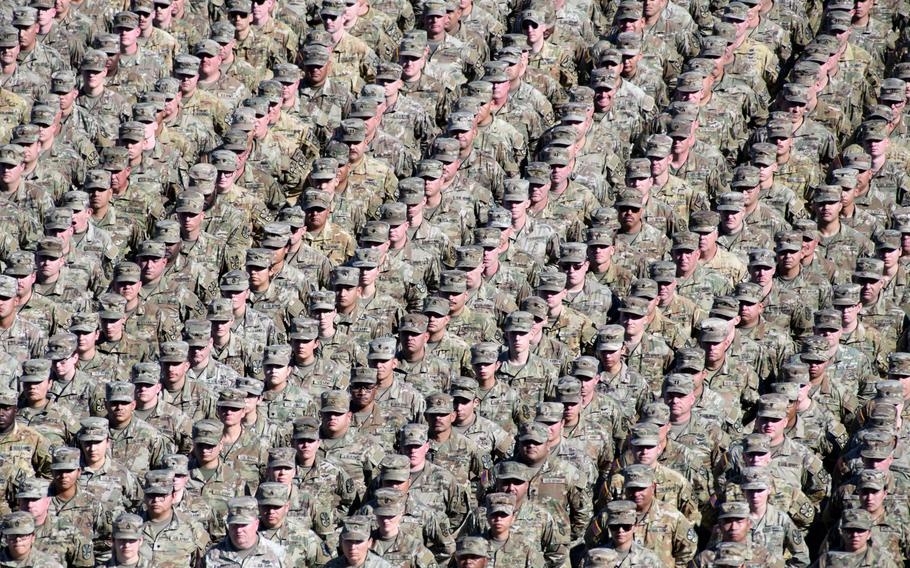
105	478
127	531
183	541
283	401
426	373
300	543
188	395
735	525
356	546
56	424
19	532
210	477
855	530
357	453
492	439
172	423
243	538
527	373
390	543
133	442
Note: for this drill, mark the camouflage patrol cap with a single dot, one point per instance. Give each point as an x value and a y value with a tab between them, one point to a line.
869	268
395	468
231	398
644	288
788	390
644	435
18	523
439	403
890	390
795	93
119	391
58	218
242	120
286	73
772	406
827	320
65	459
629	10
127	273
324	300
690	82
276	355
224	160
369	258
873	131
518	322
305	428
35	371
610	338
887	240
93	429
411	190
382	349
484	353
552	281
712	47
113	306
468	257
25	134
499	218
242	510
662	272
748	292
259	258
364	108
113	159
280	458
899	364
145	373
755	479
872	479
389	502
413	44
50	247
275	236
599	236
883	414
779	129
158	482
304	329
788	241
364	376
8	396
463	388
151	249
602	557
146	112
733	510
730	201
75	200
655	413
584	367
536	306
191	202
877	444
555	156
658	146
413	323
815	349
388	71
500	503
234	281
712	330
62	82
109	44
412	435
836	21
452	282
252	387
208	432
293	216
345	276
324	169
167	231
635	306
568	390
352	131
679	383
604	79
548	412
126	21
446	150
762	258
197	333
20	264
83	322
637	476
515	190
334	402
274	494
11	154
845	177
533	432
487	237
127	527
745	177
858	519
205	48
510	54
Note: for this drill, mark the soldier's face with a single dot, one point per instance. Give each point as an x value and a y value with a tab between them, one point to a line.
622	534
8	306
151	268
788	260
303	349
99	198
128	37
362	394
65	367
435	24
356	551
603	97
261	10
36	392
11	174
243	536
560	173
27	36
872	500
417	454
281	474
127	549
230	416
411	66
241	21
146	393
538	192
306	450
129	290
890	257
750	312
533	31
64	480
49	267
735	529
575	272
629	217
173	372
646	455
336	423
272	515
633	324
516	487
207	453
532	450
120	412
519	341
19	546
680	404
500	522
8	55
686	260
94	451
276	376
464	409
158	504
762	275
7	416
750	196
773	427
439	423
869	289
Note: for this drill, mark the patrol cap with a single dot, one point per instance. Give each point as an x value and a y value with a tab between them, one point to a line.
412	434
127	527
730	201
208	432
93	429
276	355
685	241
889	390
637	476
411	190
413	323
515	190
772	406
305	428
363	376
552	281
66	459
635	306
610	338
733	510
231	398
206	48
857	519
754	479
902	71
657	146
364	108
745	176
127	273
388	71
8	396
485	353
638	168
795	93
238	6
548	412
51	247
259	258
224	160
158	482
113	306
275	235
145	373
126	21
827	320
242	511
413	45
343	276
679	383
234	281
788	241
324	301
518	322
568	389
533	432
191	202
316	199
629	10
762	258
512	470
25	134
109	44
334	402
899	364
555	156
395	468
20	264
62	82
11	154
84	322
655	413
872	479
468	258
389	502
869	268
602	557
304	329
434	8
453	282
446	150
712	330
252	387
604	79
464	388
748	292
352	131
274	494
119	391
369	258
75	201
286	73
877	445
815	349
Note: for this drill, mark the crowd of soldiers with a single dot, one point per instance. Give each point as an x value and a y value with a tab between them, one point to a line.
461	283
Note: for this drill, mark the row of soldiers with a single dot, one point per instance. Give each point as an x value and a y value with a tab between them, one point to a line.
467	283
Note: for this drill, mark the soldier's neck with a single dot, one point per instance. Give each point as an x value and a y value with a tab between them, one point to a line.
442	437
519	358
232	433
830	229
66	494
